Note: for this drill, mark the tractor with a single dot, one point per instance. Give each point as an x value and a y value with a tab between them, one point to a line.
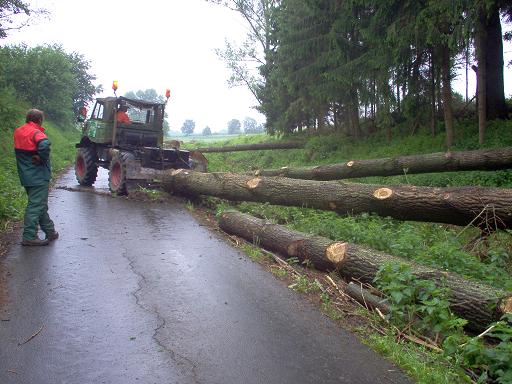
125	136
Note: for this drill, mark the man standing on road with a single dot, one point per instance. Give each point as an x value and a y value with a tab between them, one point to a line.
32	149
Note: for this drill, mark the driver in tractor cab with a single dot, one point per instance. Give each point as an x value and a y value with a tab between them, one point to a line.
122	116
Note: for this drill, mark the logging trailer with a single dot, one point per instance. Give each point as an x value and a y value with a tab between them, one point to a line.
132	151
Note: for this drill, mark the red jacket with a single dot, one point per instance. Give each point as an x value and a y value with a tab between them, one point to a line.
27	136
29	141
122	117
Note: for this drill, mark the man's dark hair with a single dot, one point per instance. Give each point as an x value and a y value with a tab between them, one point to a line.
35	116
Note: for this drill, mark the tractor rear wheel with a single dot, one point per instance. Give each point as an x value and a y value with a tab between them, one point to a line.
117	173
86	166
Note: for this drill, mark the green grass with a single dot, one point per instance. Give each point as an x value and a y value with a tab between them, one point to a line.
424	366
12	195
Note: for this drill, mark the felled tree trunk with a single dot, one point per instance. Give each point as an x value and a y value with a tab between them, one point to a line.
487	159
484	207
478	303
254	147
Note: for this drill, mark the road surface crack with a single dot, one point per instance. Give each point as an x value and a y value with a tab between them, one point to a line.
179	359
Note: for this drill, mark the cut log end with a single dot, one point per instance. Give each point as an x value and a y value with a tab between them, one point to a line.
257	172
284	168
177	172
506	305
336	252
383	193
350	163
253	183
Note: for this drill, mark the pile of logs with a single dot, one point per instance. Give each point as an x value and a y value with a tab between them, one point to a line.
315	187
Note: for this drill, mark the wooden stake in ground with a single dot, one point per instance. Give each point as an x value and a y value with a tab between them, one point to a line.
443	205
486	159
476	302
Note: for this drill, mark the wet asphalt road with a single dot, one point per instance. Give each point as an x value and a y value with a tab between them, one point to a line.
141	293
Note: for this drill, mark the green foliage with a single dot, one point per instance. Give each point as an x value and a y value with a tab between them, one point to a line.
493	362
411	299
420	303
251	125
12	110
48	78
329	60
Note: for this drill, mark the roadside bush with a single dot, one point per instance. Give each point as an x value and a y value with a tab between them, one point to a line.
421	304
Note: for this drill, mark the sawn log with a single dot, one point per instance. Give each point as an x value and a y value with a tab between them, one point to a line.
254	147
476	302
460	205
486	159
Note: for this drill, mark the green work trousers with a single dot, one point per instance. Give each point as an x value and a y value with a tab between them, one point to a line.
36	213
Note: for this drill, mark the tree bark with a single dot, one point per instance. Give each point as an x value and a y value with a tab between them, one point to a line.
496	107
480	39
476	302
487	159
254	147
433	109
447	95
354	112
484	207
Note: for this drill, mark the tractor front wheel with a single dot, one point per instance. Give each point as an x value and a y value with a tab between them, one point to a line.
117	173
86	166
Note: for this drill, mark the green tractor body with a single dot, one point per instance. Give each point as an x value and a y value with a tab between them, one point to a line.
125	148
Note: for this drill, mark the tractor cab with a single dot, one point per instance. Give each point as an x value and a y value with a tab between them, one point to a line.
125	136
121	121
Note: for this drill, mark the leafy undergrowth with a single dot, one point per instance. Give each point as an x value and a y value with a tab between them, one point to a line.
450	248
12	195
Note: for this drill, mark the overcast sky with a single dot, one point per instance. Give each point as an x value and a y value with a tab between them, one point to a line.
163	44
153	44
